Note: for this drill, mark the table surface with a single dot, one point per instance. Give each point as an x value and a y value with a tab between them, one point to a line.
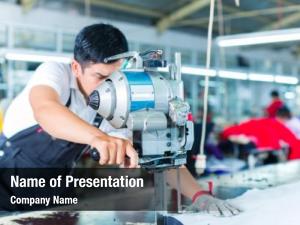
276	205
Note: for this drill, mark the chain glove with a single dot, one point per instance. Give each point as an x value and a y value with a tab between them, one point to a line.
204	202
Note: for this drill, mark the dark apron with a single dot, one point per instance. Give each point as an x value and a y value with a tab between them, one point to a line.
35	148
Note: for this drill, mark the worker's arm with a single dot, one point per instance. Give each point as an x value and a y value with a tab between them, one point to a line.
185	178
201	201
60	122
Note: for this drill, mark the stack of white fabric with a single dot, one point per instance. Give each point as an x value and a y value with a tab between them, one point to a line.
275	206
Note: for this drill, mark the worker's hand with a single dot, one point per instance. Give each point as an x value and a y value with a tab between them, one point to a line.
214	206
113	150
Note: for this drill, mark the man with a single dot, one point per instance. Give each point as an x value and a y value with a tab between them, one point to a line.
274	105
291	122
49	122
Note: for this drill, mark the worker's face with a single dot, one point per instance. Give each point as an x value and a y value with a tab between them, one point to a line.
92	75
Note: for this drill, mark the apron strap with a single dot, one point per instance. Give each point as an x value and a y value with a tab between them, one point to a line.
98	119
69	100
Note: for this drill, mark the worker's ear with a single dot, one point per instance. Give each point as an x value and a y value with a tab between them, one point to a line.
76	68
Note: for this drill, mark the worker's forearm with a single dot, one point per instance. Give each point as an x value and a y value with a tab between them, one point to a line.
61	123
188	184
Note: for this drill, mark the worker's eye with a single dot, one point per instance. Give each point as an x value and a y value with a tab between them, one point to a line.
100	76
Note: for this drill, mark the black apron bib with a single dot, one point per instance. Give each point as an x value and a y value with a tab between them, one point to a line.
35	148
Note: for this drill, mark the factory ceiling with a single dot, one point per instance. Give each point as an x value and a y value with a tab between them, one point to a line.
184	15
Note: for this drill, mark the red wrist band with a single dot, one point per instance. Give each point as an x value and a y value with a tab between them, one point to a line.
210	187
199	193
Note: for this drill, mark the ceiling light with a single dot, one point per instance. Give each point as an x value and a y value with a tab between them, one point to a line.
198	71
286	79
261	77
259	38
232	75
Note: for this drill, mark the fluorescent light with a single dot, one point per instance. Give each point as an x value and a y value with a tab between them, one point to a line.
233	75
261	77
198	71
286	80
289	95
163	69
36	57
192	71
259	38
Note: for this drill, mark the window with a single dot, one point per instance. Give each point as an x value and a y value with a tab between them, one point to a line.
186	55
34	39
68	42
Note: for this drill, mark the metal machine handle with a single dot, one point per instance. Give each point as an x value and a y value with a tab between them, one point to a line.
95	155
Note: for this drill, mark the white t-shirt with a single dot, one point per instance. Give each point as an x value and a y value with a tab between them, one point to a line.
59	76
294	125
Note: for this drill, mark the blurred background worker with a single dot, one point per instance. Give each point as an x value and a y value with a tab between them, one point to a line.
292	122
275	104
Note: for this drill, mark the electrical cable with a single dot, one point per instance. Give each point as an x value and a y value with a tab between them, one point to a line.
201	158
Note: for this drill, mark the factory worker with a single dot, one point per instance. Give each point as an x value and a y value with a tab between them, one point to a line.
275	104
293	123
49	123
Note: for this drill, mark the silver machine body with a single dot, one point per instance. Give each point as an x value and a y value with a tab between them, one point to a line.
151	105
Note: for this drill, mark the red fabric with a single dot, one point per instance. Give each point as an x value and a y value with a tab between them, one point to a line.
210	187
190	117
266	133
272	109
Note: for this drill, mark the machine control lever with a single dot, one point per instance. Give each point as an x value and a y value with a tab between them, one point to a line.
94	154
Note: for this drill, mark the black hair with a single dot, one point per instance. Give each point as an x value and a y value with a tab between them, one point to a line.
275	94
284	112
96	42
